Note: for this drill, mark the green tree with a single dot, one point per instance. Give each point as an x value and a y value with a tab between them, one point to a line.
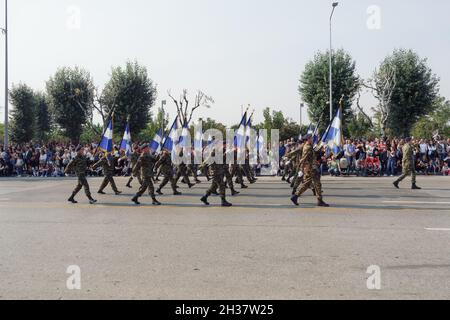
90	134
436	121
42	122
71	92
414	93
314	86
359	126
132	93
22	115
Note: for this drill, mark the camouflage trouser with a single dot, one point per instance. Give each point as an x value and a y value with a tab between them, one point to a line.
228	178
205	172
192	169
108	179
248	172
168	176
147	183
137	176
182	172
237	171
311	179
82	183
217	183
408	171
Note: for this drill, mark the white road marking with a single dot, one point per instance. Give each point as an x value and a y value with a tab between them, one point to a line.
437	229
417	202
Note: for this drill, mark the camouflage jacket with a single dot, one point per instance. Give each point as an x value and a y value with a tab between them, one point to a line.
145	165
79	164
107	165
407	151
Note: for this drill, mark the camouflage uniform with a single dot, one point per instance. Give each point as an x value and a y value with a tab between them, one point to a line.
79	164
145	166
134	159
164	164
217	172
308	165
408	164
108	170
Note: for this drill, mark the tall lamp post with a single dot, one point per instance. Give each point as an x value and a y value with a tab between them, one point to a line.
5	32
302	105
335	4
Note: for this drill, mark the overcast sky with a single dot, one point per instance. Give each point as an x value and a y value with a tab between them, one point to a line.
238	51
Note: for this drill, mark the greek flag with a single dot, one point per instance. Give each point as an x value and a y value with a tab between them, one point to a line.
333	136
126	141
155	144
106	144
171	139
240	136
184	139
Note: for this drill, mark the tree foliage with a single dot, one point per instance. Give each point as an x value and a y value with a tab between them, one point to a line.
43	119
415	90
132	93
436	122
70	93
22	115
314	86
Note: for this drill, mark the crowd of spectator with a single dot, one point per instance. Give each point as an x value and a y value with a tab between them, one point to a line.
49	160
378	157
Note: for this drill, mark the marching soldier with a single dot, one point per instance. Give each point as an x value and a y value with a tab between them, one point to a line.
217	172
145	165
164	164
308	166
134	159
182	172
408	165
80	164
107	163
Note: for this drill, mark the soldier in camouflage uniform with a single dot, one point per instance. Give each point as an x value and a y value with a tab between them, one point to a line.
80	164
107	164
228	176
182	171
308	166
408	165
217	173
236	171
145	165
134	159
164	164
294	157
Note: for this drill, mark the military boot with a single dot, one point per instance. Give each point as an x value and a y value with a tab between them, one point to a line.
225	203
204	199
101	192
92	200
396	184
159	192
415	187
294	200
135	200
321	203
117	192
72	199
155	202
234	192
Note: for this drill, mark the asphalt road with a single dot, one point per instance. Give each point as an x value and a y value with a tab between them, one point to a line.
261	248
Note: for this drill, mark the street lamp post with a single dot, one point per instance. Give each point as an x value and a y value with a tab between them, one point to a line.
335	4
5	32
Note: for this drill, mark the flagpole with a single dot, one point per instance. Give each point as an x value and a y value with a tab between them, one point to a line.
5	31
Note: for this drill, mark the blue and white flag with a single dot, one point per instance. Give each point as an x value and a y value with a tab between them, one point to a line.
184	140
126	141
155	143
240	136
198	140
333	138
106	144
171	139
